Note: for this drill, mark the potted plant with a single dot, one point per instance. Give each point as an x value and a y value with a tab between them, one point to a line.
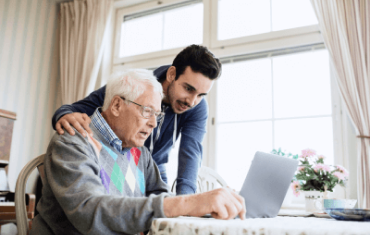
314	177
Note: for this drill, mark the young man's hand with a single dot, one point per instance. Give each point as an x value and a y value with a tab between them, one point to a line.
80	121
222	203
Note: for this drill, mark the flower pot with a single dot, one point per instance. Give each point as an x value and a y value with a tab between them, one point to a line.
314	201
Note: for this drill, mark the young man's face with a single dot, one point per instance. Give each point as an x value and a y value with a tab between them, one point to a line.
187	91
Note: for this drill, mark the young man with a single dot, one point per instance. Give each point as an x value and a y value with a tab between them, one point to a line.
108	183
185	83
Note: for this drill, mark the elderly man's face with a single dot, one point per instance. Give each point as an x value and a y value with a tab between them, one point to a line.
132	128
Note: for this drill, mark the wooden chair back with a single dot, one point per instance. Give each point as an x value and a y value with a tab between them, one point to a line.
20	188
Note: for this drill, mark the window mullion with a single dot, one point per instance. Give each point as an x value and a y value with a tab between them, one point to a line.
207	22
272	103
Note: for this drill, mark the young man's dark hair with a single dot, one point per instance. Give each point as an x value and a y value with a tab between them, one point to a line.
200	60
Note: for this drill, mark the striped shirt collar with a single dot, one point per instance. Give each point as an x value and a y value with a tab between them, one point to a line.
100	124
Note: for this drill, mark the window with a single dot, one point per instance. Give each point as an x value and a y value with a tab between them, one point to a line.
242	21
239	18
161	29
265	103
276	88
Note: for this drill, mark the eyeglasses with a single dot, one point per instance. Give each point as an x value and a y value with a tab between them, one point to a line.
147	112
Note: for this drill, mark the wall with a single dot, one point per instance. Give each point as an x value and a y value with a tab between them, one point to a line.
29	76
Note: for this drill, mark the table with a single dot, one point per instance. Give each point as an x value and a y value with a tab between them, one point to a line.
261	226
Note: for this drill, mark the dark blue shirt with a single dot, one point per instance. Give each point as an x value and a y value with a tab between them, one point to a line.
191	124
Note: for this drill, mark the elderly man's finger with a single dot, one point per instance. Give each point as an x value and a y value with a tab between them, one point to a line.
220	212
232	210
242	214
231	188
242	209
237	203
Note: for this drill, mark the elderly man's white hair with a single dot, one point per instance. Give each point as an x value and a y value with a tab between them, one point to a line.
129	84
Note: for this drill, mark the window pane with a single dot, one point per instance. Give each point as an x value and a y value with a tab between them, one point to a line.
302	85
164	30
236	146
301	106
141	35
298	134
182	30
244	91
238	18
287	14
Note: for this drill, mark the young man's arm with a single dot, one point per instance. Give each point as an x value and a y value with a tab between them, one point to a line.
77	114
191	149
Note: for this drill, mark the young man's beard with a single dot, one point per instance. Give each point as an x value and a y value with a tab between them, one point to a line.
178	102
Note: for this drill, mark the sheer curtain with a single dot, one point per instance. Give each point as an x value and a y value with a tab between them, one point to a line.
345	26
84	34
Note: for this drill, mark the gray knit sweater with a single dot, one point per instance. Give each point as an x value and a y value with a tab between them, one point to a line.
91	188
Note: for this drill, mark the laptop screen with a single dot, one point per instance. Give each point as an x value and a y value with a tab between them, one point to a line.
266	184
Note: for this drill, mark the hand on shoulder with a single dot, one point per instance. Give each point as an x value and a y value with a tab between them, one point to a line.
80	121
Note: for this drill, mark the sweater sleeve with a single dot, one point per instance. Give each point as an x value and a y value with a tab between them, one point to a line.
191	150
87	105
73	175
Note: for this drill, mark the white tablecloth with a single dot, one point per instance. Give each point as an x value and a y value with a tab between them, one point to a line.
262	226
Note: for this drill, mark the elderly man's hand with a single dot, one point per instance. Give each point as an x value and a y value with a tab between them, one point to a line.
222	203
80	121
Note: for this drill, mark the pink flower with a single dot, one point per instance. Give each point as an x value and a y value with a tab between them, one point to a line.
326	168
339	175
321	157
295	187
301	168
308	152
322	167
342	170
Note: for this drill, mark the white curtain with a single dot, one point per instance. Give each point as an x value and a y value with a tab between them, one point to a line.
345	27
84	34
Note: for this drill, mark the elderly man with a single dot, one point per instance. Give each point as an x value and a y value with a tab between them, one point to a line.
185	84
108	183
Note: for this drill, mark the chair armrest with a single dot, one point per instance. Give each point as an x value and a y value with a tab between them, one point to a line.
30	202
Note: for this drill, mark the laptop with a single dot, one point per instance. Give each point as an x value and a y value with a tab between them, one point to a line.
266	184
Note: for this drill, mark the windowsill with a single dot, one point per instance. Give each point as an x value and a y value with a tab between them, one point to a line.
294	207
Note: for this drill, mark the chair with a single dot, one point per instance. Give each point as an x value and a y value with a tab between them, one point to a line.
207	180
20	188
